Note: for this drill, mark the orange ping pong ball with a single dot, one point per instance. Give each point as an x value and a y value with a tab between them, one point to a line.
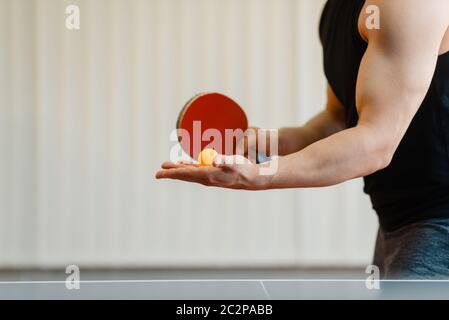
206	157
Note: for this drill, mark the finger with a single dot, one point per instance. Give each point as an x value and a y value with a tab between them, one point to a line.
168	165
170	173
185	176
171	165
188	163
252	142
245	142
191	174
246	145
241	146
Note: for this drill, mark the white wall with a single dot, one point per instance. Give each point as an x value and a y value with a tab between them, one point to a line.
85	118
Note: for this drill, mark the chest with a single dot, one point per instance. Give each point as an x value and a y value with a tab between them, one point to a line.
343	50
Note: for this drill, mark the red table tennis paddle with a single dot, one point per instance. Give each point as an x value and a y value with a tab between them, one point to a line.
207	115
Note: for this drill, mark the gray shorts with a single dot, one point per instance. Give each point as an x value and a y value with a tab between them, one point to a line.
416	251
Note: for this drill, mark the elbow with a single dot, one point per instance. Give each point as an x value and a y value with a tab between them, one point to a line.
379	159
378	148
385	159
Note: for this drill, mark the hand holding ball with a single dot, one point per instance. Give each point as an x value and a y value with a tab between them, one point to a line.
206	157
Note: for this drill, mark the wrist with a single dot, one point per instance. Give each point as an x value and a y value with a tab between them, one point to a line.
263	177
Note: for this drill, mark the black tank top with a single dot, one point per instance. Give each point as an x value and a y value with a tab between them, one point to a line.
415	186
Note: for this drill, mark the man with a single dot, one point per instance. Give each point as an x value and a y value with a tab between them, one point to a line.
386	119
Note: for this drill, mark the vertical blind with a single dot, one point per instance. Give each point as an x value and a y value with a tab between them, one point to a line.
86	117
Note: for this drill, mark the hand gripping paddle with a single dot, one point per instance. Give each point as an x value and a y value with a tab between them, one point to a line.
212	119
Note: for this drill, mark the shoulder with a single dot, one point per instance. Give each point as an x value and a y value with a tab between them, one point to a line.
403	21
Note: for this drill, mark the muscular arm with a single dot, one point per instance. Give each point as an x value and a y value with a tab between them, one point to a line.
328	122
394	77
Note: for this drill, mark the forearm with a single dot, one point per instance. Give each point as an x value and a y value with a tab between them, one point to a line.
321	126
346	155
